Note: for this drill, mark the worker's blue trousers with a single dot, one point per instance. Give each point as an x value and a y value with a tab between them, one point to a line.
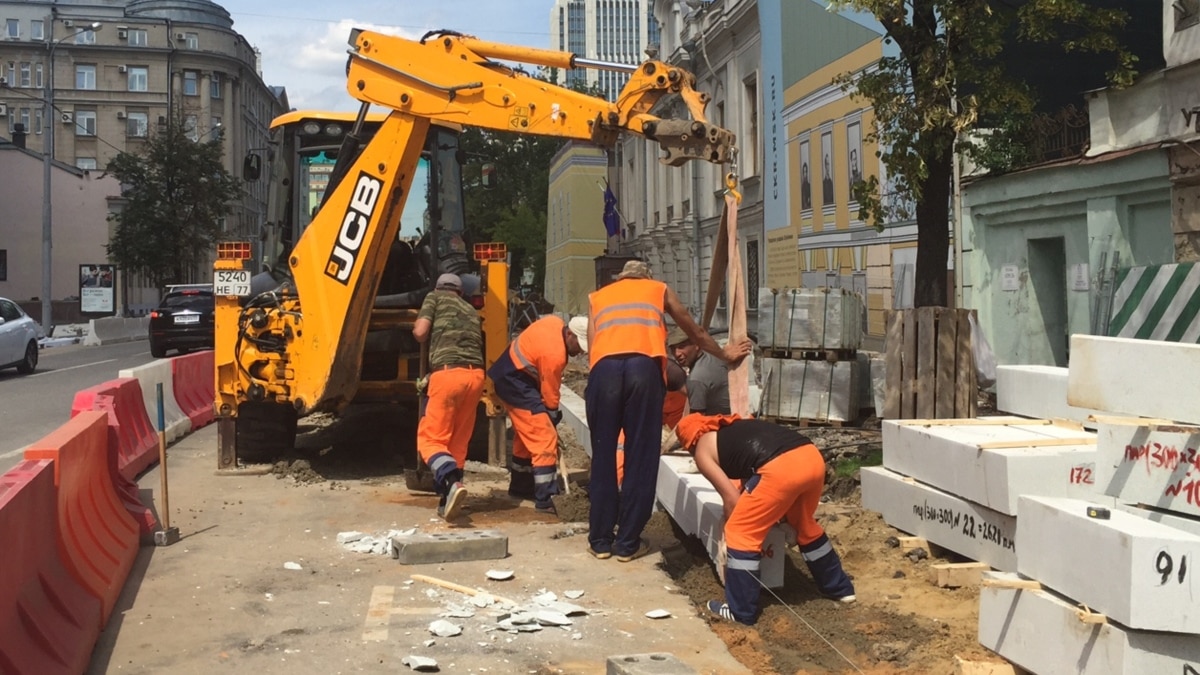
624	393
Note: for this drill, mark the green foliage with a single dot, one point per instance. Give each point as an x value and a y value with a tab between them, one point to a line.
950	78
176	191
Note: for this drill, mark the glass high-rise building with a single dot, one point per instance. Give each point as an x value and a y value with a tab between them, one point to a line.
607	30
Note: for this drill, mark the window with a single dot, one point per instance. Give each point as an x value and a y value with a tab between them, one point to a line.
85	122
37	30
191	83
750	150
9	311
191	40
85	77
87	37
26	74
3	264
12	28
214	123
23	119
189	128
139	78
86	163
214	86
138	37
137	125
12	73
37	76
37	120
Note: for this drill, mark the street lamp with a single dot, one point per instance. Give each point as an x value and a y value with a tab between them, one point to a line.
47	161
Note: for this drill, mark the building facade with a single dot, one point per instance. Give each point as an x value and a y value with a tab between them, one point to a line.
575	233
608	30
149	62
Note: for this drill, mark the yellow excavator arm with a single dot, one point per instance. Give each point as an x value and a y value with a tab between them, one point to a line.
309	353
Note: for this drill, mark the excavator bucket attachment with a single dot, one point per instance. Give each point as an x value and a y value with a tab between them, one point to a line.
685	140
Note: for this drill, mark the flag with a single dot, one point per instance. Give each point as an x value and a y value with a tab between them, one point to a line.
612	222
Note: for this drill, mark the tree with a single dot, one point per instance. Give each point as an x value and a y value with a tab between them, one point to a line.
949	79
176	191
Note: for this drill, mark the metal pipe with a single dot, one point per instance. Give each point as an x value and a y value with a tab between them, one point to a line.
605	65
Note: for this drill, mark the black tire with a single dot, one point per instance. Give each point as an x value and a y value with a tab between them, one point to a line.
265	431
29	363
157	351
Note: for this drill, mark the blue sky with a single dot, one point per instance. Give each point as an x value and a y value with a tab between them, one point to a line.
303	42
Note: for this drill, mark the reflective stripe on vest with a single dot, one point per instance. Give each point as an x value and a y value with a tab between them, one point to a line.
521	360
627	317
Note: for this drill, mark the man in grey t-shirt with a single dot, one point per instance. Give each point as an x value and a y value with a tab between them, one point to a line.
708	378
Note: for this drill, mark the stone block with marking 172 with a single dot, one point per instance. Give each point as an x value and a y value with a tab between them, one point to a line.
1153	464
439	547
1137	572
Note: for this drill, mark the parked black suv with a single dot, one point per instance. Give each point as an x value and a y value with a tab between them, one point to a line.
182	321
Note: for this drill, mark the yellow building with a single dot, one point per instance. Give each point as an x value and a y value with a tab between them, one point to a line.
574	225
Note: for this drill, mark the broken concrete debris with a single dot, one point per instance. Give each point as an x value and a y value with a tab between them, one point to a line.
658	614
378	544
292	566
421	664
499	575
443	628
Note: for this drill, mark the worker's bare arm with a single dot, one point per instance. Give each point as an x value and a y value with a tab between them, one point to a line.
710	468
733	352
421	329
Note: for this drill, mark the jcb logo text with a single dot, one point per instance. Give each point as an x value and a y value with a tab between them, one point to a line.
354	228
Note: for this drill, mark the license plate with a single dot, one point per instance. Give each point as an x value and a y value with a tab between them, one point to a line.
187	318
231	282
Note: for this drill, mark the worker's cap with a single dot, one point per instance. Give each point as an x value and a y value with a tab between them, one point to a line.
693	426
579	325
676	337
635	269
449	282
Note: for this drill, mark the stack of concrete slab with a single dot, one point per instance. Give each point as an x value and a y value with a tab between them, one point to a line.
815	390
810	318
1113	590
1039	392
956	482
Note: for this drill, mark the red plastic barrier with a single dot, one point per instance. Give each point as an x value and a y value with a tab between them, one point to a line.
195	387
137	446
48	621
98	540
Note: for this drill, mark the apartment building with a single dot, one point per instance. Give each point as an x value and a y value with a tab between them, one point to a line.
617	31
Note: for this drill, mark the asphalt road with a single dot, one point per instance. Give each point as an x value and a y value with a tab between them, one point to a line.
32	406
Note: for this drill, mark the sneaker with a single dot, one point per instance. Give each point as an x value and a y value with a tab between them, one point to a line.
721	610
642	549
599	555
846	599
454	500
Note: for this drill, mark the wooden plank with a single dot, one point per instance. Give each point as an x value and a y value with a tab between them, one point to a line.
1135	421
957	575
908	361
1019	584
926	362
964	391
892	364
972	374
1037	443
977	421
716	276
947	355
964	667
912	543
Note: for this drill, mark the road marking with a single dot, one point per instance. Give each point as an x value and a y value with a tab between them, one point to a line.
63	370
14	453
379	614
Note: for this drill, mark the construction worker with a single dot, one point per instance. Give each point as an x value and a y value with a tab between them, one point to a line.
452	328
527	378
781	474
708	377
627	353
674	408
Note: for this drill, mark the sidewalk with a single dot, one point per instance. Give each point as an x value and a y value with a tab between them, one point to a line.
221	600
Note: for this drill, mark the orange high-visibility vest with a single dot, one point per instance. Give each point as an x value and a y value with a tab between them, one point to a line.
627	317
541	351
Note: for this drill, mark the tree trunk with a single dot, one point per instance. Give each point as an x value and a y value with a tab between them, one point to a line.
933	232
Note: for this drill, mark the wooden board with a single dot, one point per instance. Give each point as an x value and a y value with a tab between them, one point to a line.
908	359
893	374
947	334
926	362
739	377
965	398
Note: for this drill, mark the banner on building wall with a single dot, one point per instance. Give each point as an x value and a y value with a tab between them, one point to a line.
97	285
782	258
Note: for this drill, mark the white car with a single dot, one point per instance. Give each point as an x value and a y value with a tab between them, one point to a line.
18	338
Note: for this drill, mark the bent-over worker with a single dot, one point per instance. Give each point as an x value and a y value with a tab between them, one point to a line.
674	408
627	352
452	328
782	474
527	378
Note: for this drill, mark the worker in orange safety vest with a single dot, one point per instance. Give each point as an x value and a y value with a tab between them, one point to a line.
627	354
527	378
764	473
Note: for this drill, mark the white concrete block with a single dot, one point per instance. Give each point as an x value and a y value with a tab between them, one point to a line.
1039	392
697	508
1139	573
995	462
176	423
1155	465
1041	632
951	522
1134	377
574	412
1184	523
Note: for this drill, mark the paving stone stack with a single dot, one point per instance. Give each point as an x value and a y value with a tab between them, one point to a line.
1108	584
810	337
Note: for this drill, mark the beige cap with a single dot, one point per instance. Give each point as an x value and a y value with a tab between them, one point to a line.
676	336
579	326
449	282
635	269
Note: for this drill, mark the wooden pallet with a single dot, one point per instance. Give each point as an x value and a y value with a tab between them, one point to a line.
830	355
930	365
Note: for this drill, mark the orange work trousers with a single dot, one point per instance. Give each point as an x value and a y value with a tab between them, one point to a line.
534	436
788	486
449	419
